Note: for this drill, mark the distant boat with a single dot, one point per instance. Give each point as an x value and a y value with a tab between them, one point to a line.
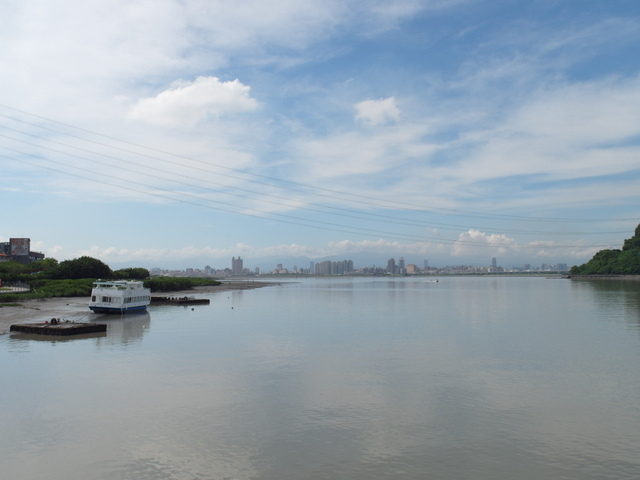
119	296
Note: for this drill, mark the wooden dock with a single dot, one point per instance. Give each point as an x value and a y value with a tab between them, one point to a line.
180	300
60	328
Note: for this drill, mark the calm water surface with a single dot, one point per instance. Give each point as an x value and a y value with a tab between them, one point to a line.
465	378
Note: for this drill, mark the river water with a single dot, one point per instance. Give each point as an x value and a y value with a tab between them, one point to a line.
343	378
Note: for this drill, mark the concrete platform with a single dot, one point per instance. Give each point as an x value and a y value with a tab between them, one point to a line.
60	328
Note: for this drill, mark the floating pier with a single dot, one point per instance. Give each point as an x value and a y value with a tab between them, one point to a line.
58	327
181	300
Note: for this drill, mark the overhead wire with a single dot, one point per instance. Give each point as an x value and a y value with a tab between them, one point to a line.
170	195
297	203
423	208
290	219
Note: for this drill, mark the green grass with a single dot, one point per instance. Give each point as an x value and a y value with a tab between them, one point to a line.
168	284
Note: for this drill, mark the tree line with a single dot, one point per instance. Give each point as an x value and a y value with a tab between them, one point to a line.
625	261
83	267
74	278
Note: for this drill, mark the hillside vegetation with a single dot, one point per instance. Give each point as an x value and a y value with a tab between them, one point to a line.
619	262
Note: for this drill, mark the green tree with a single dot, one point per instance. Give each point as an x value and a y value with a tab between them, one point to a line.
633	242
620	262
44	266
83	267
168	284
628	262
132	273
11	271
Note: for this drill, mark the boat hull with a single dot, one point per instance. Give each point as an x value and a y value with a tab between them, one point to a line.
97	309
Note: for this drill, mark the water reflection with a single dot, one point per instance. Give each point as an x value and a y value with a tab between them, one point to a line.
237	297
357	379
121	329
124	329
618	298
17	337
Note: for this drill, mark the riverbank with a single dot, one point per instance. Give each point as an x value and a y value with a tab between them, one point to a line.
77	308
633	278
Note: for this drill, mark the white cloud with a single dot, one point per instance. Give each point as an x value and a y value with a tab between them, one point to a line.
472	243
566	132
382	247
94	50
345	247
376	112
475	242
586	113
363	153
187	103
295	24
114	254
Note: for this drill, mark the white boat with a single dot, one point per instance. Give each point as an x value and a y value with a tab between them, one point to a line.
119	296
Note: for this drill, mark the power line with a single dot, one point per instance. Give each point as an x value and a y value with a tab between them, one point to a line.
299	204
169	195
361	199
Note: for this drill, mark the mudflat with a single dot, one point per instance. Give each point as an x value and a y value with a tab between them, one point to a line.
77	308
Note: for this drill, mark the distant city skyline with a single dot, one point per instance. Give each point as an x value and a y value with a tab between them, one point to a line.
20	249
348	267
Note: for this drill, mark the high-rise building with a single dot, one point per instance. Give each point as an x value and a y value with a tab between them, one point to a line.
336	268
327	267
237	266
323	268
347	266
391	266
494	262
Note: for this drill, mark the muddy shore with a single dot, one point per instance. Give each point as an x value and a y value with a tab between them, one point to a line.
77	308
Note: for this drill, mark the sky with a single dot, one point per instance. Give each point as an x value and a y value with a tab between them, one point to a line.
180	133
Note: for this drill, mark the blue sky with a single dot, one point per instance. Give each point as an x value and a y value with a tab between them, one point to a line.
182	133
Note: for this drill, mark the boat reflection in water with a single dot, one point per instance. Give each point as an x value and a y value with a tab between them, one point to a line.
124	329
